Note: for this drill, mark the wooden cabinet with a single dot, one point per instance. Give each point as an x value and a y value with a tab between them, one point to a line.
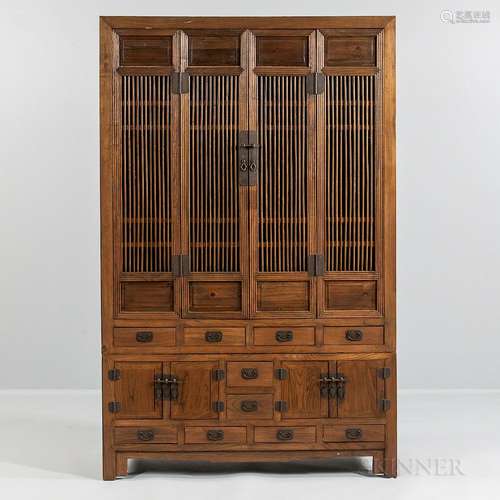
248	239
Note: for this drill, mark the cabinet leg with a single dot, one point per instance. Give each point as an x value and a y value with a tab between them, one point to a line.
121	465
109	466
378	463
390	466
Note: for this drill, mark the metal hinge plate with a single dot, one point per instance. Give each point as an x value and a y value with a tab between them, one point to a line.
385	404
315	83
180	83
248	157
181	265
316	265
281	406
114	407
384	372
218	406
281	374
114	374
218	374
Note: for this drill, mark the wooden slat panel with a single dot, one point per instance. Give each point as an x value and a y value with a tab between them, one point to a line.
146	206
282	188
350	173
214	207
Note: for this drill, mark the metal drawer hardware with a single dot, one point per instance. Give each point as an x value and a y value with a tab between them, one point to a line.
284	335
354	335
215	435
218	374
114	374
166	388
353	433
332	386
144	336
114	407
213	336
281	406
146	435
384	372
218	406
249	405
249	373
284	434
281	373
385	404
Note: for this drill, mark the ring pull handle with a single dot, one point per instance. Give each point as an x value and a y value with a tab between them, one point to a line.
144	336
248	406
284	435
213	336
284	336
145	435
353	433
249	373
215	435
354	335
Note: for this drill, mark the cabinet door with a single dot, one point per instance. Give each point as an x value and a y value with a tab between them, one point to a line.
135	389
301	389
349	173
364	388
282	213
215	203
197	390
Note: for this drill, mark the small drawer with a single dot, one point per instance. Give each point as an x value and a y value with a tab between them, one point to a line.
214	336
285	434
206	435
303	335
249	406
141	435
353	335
249	374
352	433
144	337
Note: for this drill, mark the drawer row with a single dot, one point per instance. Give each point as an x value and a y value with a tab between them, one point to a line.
246	435
236	336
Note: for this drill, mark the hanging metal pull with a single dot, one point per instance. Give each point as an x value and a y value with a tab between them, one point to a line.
249	373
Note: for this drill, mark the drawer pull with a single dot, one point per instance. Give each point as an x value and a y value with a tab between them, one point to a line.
354	335
144	336
284	435
353	433
145	435
284	336
249	373
215	435
248	406
213	336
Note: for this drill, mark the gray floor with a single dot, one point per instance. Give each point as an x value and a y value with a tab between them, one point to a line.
449	447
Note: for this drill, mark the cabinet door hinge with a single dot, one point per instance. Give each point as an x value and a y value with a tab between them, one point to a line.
248	157
315	83
281	374
218	406
281	406
114	374
114	407
180	83
315	265
385	404
218	374
181	265
384	372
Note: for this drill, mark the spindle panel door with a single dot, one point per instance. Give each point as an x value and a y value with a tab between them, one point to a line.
215	224
282	215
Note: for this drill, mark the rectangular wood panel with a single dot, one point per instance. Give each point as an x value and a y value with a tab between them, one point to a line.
146	174
145	50
350	173
215	435
214	335
145	435
214	48
353	433
284	335
214	211
144	337
285	434
215	296
249	406
154	296
249	374
351	295
283	296
350	50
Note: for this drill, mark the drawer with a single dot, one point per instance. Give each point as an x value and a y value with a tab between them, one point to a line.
303	335
204	435
353	335
140	435
285	434
214	336
249	374
250	406
144	337
350	433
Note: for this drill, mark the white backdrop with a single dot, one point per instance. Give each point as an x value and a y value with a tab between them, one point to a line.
448	186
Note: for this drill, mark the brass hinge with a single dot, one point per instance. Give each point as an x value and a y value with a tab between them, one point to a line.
218	374
114	374
180	265
114	407
281	373
218	406
281	406
384	372
315	265
180	83
385	404
248	157
315	83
